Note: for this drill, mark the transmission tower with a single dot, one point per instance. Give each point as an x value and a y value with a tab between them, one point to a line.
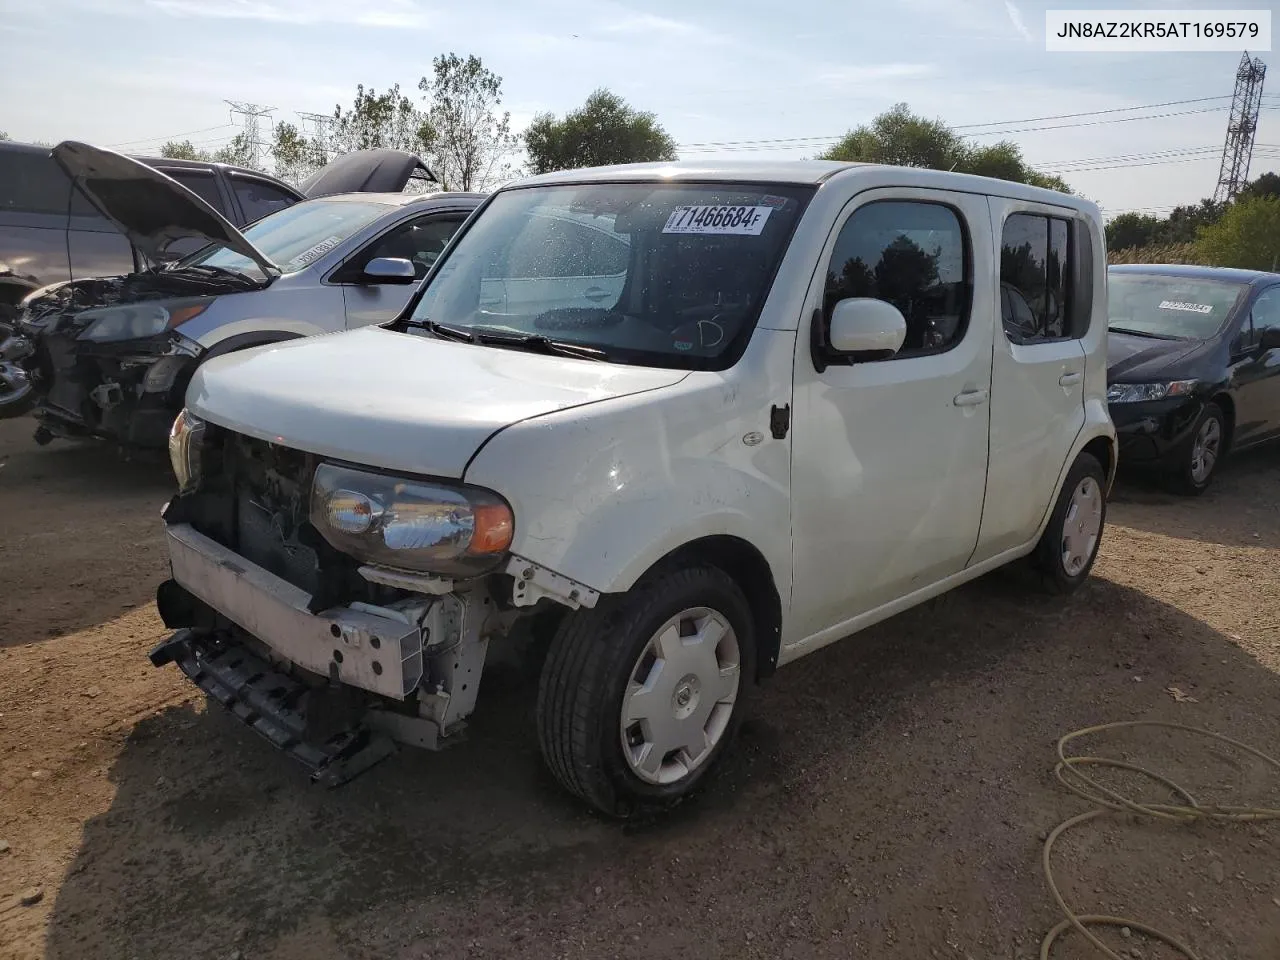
1243	124
251	131
317	125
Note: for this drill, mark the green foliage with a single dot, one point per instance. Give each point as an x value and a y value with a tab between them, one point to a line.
4	135
1246	236
182	150
295	157
1157	253
901	138
239	152
380	120
604	130
470	138
1267	185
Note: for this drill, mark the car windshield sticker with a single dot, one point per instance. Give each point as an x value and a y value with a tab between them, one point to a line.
1186	307
315	253
735	220
776	202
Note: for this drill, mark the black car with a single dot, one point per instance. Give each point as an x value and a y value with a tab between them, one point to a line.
1193	366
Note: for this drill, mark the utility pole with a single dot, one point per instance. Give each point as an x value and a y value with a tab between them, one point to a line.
1237	152
250	130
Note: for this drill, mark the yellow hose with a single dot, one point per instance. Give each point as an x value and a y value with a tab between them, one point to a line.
1108	801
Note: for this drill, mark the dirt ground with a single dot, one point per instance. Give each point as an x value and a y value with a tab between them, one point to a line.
888	798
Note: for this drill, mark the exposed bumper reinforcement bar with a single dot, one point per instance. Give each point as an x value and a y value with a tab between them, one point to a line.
335	745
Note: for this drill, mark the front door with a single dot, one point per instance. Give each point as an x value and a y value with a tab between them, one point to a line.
1256	372
419	241
1037	376
890	455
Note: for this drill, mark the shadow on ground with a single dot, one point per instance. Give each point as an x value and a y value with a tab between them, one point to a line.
1240	509
888	795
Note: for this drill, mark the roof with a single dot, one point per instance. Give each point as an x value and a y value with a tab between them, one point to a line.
404	199
803	172
1196	272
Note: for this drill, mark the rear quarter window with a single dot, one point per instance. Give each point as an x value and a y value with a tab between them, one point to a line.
32	182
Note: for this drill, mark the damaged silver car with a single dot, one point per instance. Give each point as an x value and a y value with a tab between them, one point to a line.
111	357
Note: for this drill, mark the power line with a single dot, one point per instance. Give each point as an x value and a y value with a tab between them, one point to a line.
171	136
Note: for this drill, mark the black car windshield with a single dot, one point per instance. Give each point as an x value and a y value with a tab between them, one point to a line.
1163	305
294	237
658	274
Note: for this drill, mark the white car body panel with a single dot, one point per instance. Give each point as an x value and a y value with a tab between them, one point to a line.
396	400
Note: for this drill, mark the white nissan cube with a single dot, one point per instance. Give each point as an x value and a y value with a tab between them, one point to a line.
662	427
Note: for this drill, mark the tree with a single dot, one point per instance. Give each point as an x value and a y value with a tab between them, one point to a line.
470	139
901	138
295	156
1132	230
1267	185
239	152
379	120
604	130
182	150
4	135
1246	236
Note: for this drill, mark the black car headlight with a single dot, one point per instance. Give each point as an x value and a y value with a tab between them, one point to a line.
1137	392
136	321
186	437
410	524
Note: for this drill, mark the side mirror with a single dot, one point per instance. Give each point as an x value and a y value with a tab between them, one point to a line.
389	270
1269	339
861	324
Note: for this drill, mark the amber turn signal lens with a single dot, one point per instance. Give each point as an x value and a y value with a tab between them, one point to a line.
493	529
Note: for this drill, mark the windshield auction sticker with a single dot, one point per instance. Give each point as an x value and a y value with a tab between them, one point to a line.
1186	307
1151	31
315	253
738	221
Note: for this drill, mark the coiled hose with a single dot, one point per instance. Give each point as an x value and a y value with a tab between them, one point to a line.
1108	801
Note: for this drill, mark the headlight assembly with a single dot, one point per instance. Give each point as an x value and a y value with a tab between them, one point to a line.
185	439
1137	392
136	321
410	524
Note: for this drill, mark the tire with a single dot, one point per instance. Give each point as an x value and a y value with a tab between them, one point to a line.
587	682
1194	475
1057	561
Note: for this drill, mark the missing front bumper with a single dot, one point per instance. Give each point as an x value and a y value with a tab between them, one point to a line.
318	727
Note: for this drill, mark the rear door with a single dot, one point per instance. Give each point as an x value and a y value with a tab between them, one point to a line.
33	221
257	198
1037	371
418	240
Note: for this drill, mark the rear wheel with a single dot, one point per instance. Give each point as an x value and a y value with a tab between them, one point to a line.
1209	441
1070	542
640	698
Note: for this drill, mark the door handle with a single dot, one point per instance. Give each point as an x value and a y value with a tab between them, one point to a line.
595	294
1069	379
970	398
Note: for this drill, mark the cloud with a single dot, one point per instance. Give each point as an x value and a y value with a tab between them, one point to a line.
394	14
1015	17
874	72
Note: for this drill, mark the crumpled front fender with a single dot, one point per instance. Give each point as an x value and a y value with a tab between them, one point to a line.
17	385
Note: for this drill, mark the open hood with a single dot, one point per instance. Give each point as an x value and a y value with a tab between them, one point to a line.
149	208
367	171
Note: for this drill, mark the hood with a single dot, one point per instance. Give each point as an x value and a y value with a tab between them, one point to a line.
366	171
149	208
1143	360
399	401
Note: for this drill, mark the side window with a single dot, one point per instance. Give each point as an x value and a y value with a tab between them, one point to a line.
419	241
32	182
1036	272
1266	312
913	255
201	184
259	198
595	252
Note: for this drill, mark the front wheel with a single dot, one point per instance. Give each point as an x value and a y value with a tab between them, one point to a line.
1197	470
640	698
1070	542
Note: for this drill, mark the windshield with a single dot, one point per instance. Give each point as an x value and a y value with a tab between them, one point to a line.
1161	305
659	274
293	237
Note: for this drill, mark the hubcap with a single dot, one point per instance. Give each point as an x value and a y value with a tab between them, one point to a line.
1205	450
680	697
1081	527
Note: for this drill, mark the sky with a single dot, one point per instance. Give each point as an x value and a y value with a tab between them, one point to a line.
732	78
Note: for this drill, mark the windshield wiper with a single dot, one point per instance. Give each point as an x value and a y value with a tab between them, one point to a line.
217	271
1143	333
501	338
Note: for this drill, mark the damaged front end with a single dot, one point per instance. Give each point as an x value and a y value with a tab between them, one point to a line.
330	654
101	358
